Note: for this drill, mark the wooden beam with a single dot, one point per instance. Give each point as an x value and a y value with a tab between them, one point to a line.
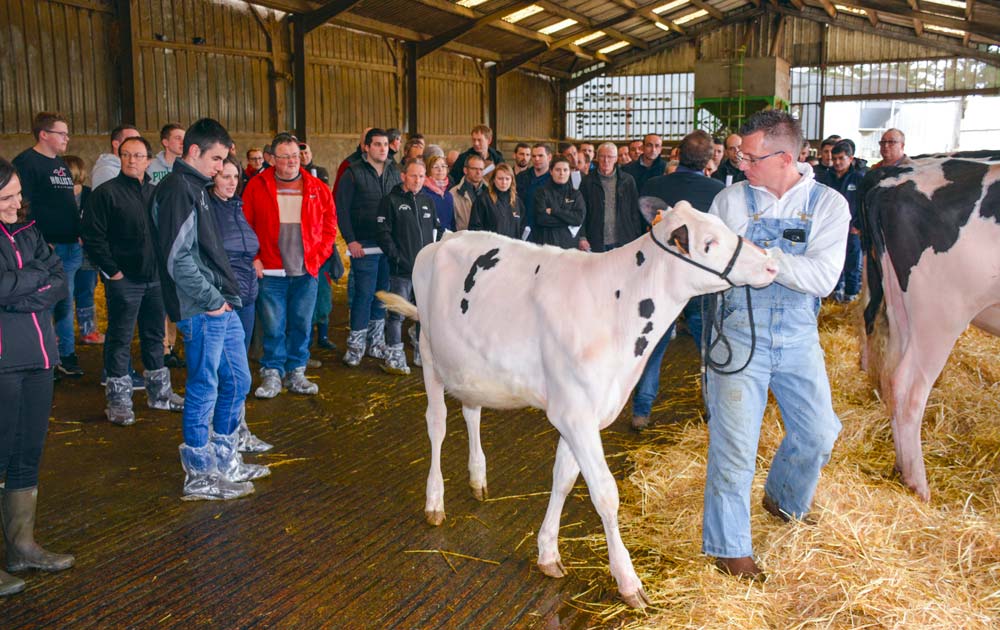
449	6
654	18
318	17
607	26
410	61
968	9
299	75
829	8
491	103
779	35
873	17
984	28
914	5
918	27
861	25
127	54
428	46
798	4
715	13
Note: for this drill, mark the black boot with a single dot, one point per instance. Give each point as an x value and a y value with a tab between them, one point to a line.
18	517
322	337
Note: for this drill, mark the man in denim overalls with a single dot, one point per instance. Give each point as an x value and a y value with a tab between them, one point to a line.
804	225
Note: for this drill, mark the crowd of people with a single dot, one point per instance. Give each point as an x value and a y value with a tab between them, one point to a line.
187	239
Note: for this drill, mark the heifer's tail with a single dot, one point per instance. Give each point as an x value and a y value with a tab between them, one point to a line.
398	304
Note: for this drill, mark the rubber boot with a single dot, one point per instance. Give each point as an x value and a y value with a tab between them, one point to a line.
395	360
230	462
415	342
10	584
118	394
202	479
249	443
159	393
376	339
18	516
355	348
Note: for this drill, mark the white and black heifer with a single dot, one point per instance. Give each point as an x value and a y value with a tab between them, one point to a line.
932	234
507	324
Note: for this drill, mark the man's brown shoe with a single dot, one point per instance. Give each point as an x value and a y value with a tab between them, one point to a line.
639	422
772	507
743	568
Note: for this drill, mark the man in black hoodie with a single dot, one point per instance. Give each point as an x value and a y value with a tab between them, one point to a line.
117	238
407	221
201	295
482	136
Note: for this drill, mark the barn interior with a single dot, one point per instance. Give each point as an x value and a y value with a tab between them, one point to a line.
337	539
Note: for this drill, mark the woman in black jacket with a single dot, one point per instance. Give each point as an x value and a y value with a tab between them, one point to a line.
559	209
31	282
241	245
500	209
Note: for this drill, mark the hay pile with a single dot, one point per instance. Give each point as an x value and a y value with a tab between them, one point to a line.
878	558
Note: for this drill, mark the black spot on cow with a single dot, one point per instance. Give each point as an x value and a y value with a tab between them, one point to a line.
486	261
639	259
537	268
618	294
465	306
646	308
648	329
904	222
640	346
990	208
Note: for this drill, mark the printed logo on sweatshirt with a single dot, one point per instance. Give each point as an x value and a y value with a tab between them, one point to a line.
404	207
60	178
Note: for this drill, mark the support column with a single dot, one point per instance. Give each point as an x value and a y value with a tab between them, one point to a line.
128	53
299	74
491	103
411	88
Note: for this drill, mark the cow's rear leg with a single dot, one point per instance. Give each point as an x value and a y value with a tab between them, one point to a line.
585	442
920	365
477	459
564	475
437	414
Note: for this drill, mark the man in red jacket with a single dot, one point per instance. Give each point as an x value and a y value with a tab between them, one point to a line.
295	220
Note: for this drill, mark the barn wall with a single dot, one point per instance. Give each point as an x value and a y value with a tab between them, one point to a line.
528	107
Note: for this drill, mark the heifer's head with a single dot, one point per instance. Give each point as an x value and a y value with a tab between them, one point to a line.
719	257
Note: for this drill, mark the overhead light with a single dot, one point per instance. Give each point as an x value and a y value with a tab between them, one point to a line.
694	15
944	29
613	47
517	16
663	26
670	6
589	38
558	26
470	3
957	4
847	9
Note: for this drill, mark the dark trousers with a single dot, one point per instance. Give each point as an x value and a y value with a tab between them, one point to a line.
130	303
403	287
27	402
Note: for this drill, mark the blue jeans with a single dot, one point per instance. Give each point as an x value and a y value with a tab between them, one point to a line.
218	375
649	383
692	315
850	277
83	295
71	255
286	309
370	274
789	359
247	315
402	286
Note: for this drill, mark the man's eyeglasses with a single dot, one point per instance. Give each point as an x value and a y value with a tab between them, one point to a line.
64	134
287	157
885	143
752	161
134	156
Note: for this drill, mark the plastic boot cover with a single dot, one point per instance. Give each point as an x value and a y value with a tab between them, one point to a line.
376	339
118	393
415	341
395	361
230	462
297	382
10	584
249	443
355	348
271	385
202	480
18	512
159	393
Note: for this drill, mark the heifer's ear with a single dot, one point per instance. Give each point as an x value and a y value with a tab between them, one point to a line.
651	206
679	239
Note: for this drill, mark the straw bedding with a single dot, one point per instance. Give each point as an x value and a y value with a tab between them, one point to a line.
877	558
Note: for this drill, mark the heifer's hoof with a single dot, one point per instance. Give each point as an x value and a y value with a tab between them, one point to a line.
923	491
434	517
481	494
554	569
637	599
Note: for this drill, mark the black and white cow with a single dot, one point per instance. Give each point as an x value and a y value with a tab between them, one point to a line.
507	324
932	233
